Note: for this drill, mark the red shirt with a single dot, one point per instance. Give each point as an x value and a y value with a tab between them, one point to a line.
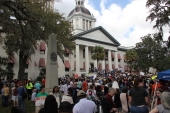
43	82
84	86
109	99
153	86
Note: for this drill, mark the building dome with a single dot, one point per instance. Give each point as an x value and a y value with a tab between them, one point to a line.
80	9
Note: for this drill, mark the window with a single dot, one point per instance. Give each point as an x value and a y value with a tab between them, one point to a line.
112	59
83	75
90	26
118	60
42	51
26	67
66	75
67	69
83	53
87	25
83	24
106	56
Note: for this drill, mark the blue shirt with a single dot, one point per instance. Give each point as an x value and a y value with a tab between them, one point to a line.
20	89
37	86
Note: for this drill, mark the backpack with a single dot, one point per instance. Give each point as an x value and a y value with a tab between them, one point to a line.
23	94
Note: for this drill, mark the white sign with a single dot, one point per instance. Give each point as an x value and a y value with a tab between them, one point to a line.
142	73
39	101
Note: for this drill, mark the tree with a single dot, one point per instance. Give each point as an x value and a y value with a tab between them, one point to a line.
151	54
24	22
131	56
159	11
98	53
5	69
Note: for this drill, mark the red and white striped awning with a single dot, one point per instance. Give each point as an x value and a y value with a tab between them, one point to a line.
112	55
113	66
35	63
42	46
124	57
119	57
42	62
67	64
107	66
100	66
125	68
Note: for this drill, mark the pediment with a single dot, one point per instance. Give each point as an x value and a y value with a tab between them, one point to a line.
98	34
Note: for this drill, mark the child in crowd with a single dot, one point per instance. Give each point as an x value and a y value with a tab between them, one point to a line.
33	95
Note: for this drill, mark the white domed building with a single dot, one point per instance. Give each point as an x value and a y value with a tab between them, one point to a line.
87	36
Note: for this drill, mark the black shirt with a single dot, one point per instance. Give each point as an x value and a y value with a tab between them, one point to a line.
138	96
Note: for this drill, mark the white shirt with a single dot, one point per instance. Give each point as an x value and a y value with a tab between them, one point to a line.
85	106
64	88
33	96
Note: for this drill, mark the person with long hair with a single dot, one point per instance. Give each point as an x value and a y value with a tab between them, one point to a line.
15	95
50	105
124	100
57	94
138	97
164	107
158	95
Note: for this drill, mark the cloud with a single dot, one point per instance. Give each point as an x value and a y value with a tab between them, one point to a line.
127	25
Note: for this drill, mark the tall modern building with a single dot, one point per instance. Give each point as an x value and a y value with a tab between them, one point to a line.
87	36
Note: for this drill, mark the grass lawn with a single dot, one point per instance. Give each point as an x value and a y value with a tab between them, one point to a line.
29	106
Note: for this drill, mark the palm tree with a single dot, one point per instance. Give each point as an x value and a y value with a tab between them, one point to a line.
98	53
131	56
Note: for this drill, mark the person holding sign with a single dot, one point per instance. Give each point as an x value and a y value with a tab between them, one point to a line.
57	94
40	99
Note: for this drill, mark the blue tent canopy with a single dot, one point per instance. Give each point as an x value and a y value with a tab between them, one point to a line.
165	75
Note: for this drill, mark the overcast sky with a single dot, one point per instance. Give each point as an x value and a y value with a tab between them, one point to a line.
125	20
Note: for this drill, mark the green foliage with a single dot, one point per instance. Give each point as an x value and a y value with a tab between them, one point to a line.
160	12
131	57
29	107
151	54
41	74
25	22
98	53
6	69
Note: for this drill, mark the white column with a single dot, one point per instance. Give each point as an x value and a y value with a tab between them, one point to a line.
77	59
71	62
95	64
116	60
87	58
109	60
103	64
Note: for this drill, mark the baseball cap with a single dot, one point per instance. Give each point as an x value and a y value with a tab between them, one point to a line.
81	92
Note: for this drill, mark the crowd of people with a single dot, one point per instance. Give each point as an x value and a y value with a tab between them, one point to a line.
114	92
